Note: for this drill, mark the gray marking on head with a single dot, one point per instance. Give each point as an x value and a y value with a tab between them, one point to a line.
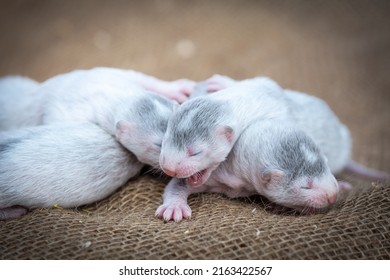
204	116
148	114
9	144
163	100
291	157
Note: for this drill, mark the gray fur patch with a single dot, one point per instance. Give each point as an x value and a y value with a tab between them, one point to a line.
9	144
202	116
292	159
164	101
147	113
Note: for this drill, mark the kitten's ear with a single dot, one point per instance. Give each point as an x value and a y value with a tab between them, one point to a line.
226	132
270	176
124	129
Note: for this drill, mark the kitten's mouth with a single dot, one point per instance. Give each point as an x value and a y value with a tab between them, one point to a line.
198	178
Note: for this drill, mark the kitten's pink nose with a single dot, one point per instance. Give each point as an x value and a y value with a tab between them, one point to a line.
169	172
332	199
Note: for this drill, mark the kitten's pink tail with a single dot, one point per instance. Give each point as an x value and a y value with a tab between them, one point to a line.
366	173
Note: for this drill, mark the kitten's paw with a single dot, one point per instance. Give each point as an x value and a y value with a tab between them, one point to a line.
174	211
184	86
178	90
218	82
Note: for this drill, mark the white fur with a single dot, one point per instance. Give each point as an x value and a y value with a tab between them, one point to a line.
19	105
99	95
309	155
103	96
67	164
78	163
316	119
79	96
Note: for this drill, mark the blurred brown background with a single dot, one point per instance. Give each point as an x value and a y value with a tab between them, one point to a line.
337	50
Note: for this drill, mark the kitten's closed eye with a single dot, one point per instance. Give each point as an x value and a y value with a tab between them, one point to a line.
195	154
191	152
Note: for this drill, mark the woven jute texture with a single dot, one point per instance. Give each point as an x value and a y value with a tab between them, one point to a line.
123	227
336	50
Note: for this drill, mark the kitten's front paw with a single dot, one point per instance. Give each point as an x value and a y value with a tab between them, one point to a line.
174	211
178	90
218	82
184	86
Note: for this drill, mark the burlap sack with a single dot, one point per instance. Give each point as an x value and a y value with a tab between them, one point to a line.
337	50
124	227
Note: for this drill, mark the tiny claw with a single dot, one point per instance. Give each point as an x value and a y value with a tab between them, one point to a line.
160	211
168	214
